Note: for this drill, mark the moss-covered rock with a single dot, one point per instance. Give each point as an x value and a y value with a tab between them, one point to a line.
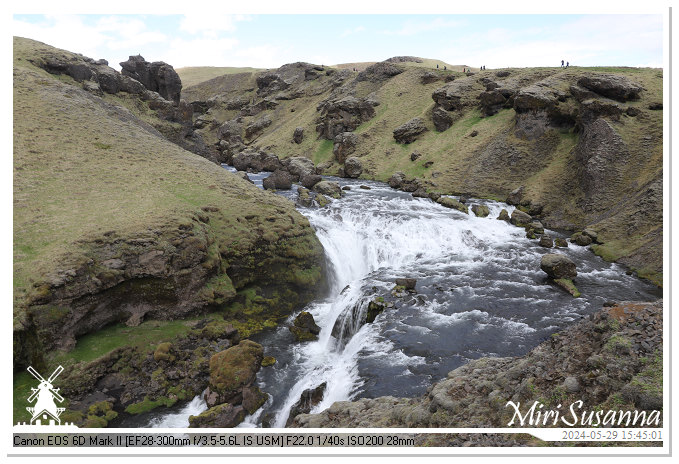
223	415
480	210
233	369
569	286
452	203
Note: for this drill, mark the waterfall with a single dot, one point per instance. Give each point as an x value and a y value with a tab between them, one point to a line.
480	292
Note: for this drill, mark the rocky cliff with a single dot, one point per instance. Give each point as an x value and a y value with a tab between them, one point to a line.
114	223
583	145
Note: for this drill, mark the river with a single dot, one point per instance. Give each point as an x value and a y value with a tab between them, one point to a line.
480	292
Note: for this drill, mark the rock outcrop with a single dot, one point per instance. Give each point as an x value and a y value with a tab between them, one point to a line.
344	145
409	131
157	76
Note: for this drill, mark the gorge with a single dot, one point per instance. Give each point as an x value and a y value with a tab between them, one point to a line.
152	273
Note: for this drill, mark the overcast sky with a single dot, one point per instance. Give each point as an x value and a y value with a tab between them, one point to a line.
267	41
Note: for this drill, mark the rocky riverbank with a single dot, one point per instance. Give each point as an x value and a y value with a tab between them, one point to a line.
610	361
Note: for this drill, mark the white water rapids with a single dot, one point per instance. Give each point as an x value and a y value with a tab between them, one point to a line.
480	293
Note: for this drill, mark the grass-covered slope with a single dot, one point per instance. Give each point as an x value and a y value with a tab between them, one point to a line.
587	159
192	75
112	222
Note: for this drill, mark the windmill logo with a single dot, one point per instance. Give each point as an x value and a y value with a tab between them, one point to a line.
45	411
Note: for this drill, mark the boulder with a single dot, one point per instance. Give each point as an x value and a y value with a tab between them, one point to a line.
515	196
581	239
304	327
310	180
344	115
307	400
558	266
279	180
396	180
520	219
298	135
247	161
407	282
353	167
321	200
591	234
253	397
546	241
256	127
504	215
614	86
537	226
480	210
222	416
410	131
344	145
329	188
441	118
560	242
303	197
157	76
231	370
452	203
270	162
299	166
415	155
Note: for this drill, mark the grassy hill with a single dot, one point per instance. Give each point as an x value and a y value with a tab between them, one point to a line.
114	222
192	75
545	148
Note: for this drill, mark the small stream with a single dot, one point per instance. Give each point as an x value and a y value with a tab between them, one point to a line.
480	292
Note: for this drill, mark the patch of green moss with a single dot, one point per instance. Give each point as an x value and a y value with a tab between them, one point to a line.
618	344
569	286
162	352
268	361
147	404
231	369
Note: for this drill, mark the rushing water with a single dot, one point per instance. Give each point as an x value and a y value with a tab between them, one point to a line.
480	292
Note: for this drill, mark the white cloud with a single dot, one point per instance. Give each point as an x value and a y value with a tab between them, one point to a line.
210	25
587	41
416	27
353	31
63	31
200	52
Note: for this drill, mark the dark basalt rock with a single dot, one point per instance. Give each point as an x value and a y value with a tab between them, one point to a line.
521	219
558	266
298	135
613	86
157	76
305	328
410	131
344	145
353	167
279	180
307	400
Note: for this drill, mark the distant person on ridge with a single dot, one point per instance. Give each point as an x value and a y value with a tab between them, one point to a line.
562	63
566	63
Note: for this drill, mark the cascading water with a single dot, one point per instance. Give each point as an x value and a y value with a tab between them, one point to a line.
480	292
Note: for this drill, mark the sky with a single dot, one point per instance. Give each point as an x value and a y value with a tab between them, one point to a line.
271	40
